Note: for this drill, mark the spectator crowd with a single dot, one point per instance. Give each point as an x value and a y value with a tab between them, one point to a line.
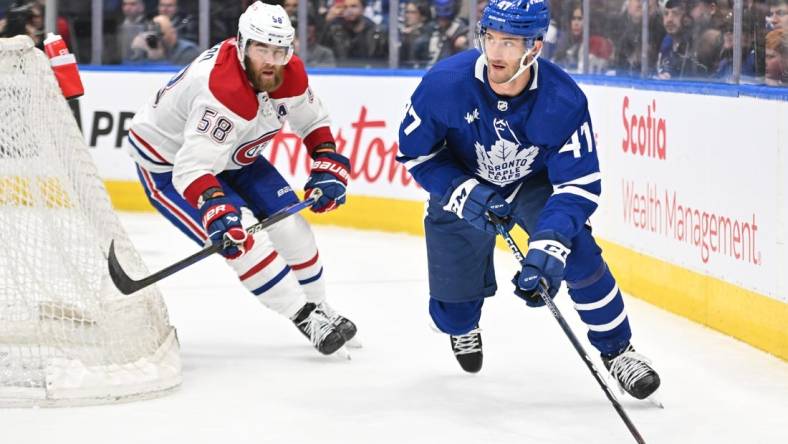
685	39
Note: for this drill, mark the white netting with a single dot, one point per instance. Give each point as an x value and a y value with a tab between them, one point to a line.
67	336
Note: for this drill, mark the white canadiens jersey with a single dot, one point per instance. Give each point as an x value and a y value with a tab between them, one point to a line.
208	119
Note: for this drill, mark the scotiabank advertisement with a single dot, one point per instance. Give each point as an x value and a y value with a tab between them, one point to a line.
694	180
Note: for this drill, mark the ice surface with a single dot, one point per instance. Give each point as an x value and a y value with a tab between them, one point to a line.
250	377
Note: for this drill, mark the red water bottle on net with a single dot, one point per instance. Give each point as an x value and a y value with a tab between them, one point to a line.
64	65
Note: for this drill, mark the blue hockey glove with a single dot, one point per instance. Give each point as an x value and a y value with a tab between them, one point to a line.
329	174
471	200
545	261
221	221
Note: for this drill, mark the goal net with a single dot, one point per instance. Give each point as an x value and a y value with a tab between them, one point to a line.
67	336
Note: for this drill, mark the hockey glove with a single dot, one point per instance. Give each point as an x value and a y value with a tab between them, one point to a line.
223	221
471	200
329	174
545	261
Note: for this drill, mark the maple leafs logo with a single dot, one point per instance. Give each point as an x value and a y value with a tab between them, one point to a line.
505	161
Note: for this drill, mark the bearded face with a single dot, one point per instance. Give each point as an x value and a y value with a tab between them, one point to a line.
264	65
263	77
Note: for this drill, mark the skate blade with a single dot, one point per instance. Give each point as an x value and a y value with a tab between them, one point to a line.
342	353
353	343
655	399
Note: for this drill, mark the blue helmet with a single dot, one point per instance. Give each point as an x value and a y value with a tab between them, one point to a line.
444	8
526	18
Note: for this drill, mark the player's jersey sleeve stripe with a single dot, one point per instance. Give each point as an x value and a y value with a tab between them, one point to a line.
411	163
145	156
138	143
173	208
585	180
577	191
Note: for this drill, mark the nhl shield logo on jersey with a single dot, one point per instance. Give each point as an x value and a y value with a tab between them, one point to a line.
506	160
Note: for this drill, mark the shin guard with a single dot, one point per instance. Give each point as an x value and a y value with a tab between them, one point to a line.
294	240
268	276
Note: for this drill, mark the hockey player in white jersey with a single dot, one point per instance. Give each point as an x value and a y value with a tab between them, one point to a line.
197	145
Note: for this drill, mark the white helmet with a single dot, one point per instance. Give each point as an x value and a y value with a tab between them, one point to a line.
268	24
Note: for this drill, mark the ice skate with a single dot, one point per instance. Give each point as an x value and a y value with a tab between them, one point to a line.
468	350
633	373
316	325
345	326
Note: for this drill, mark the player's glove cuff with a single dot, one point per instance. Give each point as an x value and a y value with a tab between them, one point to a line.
330	174
457	196
551	243
473	201
544	264
331	163
216	209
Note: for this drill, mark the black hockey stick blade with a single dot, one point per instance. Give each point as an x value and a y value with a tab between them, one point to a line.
499	225
127	285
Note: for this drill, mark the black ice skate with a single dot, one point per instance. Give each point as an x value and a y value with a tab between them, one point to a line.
633	372
313	322
468	350
345	326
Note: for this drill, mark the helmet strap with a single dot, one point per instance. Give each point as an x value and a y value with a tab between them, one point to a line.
240	43
525	64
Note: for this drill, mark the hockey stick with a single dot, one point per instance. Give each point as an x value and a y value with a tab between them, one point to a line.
565	327
127	285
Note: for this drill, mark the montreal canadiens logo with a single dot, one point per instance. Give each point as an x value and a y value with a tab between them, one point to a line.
248	152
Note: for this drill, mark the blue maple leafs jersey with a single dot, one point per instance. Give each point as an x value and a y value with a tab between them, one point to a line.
455	126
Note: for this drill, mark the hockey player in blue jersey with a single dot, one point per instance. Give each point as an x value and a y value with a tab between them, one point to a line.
497	130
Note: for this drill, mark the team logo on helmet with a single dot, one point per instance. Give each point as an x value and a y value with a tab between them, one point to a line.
267	24
527	18
504	5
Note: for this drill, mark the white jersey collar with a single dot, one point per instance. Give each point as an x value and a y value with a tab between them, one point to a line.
481	62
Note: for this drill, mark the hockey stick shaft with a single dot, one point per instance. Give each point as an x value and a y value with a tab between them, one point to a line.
127	285
569	333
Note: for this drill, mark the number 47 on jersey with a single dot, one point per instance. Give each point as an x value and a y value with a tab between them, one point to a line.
575	143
